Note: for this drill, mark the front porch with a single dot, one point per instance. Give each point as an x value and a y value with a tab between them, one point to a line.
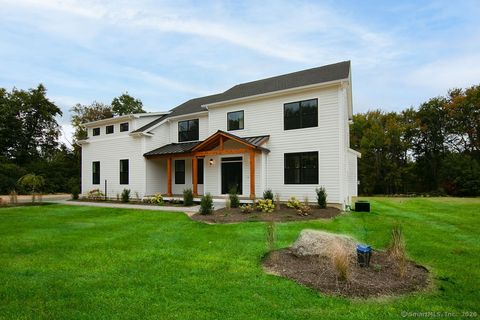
221	162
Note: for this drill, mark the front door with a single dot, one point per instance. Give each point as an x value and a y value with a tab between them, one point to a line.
232	174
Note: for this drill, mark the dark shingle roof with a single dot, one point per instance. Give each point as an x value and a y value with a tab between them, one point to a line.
332	72
185	147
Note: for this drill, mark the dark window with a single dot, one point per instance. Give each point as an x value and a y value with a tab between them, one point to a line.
124	171
123	126
188	130
301	168
200	171
96	131
301	114
96	172
179	171
235	120
109	129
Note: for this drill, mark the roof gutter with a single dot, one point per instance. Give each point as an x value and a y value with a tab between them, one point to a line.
274	93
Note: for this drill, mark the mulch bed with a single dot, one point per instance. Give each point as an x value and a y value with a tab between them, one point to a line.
283	214
318	273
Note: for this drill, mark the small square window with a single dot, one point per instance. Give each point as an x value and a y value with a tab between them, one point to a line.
123	126
109	129
235	120
96	131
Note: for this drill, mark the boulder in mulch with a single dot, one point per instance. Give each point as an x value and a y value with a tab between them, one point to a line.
321	243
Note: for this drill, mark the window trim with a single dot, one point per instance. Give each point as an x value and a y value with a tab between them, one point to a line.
301	174
300	111
96	131
95	173
228	120
180	172
110	126
122	124
188	125
123	173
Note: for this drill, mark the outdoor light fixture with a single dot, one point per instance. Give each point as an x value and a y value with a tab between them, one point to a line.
211	162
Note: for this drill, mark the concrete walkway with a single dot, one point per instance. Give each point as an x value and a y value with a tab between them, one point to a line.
188	210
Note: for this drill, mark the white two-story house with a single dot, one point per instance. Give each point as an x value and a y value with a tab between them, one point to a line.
288	133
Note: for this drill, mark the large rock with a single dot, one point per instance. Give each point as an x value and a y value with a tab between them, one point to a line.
314	242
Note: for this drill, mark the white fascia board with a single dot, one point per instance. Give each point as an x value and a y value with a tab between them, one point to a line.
275	93
182	116
122	118
355	152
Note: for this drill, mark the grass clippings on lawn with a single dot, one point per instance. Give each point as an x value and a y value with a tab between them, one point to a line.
233	215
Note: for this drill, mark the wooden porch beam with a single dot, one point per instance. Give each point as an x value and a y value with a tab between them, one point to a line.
195	175
169	176
252	174
218	152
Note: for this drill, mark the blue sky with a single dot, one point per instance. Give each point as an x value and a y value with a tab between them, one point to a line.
165	52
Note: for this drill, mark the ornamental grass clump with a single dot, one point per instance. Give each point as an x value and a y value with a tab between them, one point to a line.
95	195
271	235
396	250
13	197
206	204
341	263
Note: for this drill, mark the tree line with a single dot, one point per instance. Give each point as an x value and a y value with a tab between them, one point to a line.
432	149
29	138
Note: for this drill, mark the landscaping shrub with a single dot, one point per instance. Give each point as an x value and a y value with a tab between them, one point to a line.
206	204
156	199
265	205
126	195
321	197
277	201
304	210
396	249
268	194
246	208
13	197
187	197
75	191
234	201
95	194
33	183
340	261
293	203
271	235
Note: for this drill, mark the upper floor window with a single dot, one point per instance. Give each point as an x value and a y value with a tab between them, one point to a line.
96	131
124	171
188	130
96	172
235	120
301	168
123	126
109	129
301	114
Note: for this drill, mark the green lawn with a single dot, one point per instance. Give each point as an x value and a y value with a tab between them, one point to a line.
83	262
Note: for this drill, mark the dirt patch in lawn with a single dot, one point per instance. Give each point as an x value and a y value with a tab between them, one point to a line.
381	278
284	213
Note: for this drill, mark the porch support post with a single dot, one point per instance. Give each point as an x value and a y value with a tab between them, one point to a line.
252	174
169	177
194	176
